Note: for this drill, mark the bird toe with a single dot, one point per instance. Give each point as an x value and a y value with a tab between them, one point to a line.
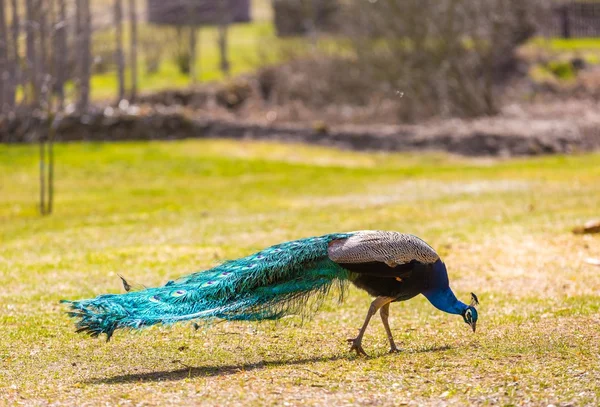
356	345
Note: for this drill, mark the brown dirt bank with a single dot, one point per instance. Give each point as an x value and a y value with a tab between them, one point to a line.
508	135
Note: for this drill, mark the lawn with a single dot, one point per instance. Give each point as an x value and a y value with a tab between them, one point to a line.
155	211
560	50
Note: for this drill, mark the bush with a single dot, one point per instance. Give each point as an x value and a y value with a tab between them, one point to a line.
152	43
296	17
562	69
444	57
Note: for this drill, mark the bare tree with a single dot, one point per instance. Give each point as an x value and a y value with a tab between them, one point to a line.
133	48
60	53
225	7
4	71
446	56
32	93
194	71
421	58
119	49
84	32
13	58
42	43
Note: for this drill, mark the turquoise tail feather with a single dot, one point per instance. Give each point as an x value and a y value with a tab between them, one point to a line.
270	284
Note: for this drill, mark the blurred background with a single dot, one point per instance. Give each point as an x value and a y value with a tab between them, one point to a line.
140	69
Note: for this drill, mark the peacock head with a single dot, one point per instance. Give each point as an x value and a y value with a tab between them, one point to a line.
470	313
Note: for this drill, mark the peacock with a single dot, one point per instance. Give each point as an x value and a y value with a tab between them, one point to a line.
288	278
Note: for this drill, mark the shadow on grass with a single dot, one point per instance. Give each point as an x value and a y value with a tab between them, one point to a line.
432	349
222	370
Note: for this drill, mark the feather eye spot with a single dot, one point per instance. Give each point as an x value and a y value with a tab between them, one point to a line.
179	293
250	266
260	257
211	282
225	273
154	298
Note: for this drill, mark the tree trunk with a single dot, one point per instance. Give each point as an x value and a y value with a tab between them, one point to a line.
4	71
32	93
51	133
193	56
42	145
84	31
42	11
119	50
60	54
133	49
78	39
565	22
223	31
14	65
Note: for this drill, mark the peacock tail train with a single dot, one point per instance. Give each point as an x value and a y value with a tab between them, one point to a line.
269	284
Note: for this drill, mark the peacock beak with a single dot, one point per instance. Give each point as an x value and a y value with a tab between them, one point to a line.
473	325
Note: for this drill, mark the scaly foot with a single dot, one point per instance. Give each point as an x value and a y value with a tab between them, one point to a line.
356	345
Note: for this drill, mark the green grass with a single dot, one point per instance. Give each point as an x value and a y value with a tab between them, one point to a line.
154	211
571	44
563	49
551	58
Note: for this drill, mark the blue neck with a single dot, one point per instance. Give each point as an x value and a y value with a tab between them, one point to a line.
445	300
440	295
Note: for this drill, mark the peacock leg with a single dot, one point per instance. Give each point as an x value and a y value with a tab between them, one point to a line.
385	313
356	343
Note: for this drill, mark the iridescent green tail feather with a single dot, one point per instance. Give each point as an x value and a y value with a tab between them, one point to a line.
289	278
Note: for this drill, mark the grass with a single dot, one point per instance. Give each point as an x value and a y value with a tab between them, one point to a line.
551	59
563	49
572	44
154	211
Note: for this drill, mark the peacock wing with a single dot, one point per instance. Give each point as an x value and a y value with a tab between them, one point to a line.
381	253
